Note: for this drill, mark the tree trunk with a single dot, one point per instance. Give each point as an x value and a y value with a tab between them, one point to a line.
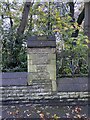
23	22
87	29
71	4
20	31
11	21
79	20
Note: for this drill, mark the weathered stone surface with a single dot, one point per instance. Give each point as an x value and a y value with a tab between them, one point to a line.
39	76
39	61
42	64
32	68
52	71
14	78
25	93
41	42
41	50
41	68
73	84
41	58
87	19
54	88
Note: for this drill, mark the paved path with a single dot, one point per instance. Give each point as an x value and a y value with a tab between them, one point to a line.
35	111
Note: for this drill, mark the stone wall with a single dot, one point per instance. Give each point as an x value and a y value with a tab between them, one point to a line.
13	78
72	89
73	84
28	94
65	84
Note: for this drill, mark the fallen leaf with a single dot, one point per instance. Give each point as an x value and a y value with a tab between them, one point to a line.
77	109
17	111
38	111
42	116
28	115
78	116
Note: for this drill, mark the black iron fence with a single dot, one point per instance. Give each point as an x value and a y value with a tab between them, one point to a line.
71	65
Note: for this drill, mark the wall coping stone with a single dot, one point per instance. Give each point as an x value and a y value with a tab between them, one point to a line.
41	41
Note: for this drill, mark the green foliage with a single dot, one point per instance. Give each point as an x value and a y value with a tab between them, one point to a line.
73	58
40	22
13	55
13	48
44	19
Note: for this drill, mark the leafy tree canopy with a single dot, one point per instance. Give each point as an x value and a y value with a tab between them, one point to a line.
20	20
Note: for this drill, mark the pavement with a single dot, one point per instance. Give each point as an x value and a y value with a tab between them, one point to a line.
33	111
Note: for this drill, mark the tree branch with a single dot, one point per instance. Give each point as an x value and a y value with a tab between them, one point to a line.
81	17
71	4
79	21
11	22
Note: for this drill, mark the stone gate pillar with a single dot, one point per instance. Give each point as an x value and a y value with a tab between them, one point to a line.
42	59
87	31
87	19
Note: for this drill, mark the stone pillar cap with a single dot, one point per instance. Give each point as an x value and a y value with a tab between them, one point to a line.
41	41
